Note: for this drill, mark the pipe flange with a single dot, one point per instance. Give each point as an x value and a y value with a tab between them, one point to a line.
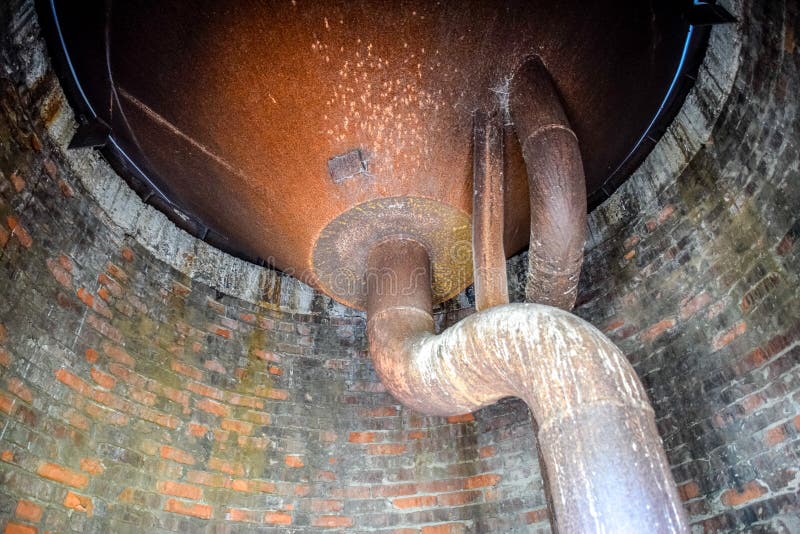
340	252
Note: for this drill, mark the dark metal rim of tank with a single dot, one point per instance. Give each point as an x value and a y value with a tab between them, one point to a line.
92	132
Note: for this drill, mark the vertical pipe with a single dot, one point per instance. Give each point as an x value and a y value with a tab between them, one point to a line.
556	184
488	253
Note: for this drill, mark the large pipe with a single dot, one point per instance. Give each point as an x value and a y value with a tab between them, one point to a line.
605	467
556	184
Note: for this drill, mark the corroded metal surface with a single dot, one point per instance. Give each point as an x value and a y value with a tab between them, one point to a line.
556	186
606	470
340	252
238	109
488	252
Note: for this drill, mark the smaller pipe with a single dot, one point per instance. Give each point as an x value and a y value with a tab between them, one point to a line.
488	253
556	184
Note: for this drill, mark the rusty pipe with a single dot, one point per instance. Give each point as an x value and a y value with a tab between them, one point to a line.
603	459
556	185
488	253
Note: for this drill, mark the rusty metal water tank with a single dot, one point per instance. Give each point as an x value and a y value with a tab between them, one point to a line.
294	132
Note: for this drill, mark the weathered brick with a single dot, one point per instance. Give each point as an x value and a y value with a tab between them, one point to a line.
28	511
62	474
179	489
79	503
202	511
332	521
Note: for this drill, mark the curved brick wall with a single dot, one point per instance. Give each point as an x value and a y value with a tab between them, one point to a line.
695	276
137	394
148	382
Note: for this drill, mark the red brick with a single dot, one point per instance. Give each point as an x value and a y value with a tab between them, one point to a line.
179	489
17	181
201	511
395	490
197	430
104	380
259	418
485	452
3	236
28	511
328	476
361	437
241	515
240	427
110	284
775	435
278	518
293	460
218	330
6	403
480	481
118	354
657	329
441	486
694	304
214	366
326	505
176	455
445	528
422	501
92	466
63	475
629	255
386	449
726	337
332	521
7	456
245	400
97	305
18	231
688	491
104	294
212	407
19	389
536	516
5	358
459	498
463	418
186	370
17	528
91	355
127	254
252	486
79	503
224	466
58	271
205	390
215	480
382	411
736	497
104	328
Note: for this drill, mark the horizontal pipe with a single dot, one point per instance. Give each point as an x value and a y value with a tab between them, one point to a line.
604	463
556	184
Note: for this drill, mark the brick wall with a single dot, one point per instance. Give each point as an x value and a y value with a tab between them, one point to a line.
696	278
135	398
138	391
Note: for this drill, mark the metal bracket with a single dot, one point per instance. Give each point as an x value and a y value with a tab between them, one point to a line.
91	134
708	14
